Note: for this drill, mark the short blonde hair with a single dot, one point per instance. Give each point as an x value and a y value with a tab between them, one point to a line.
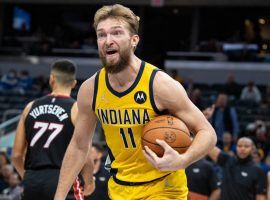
118	11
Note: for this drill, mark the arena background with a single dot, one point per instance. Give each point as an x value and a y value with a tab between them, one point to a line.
199	42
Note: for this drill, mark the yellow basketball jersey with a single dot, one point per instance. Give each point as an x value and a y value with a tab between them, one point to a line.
123	116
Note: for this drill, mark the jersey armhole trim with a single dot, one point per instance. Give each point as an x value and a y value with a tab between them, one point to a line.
95	91
151	92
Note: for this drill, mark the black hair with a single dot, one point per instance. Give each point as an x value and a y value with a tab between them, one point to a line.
64	70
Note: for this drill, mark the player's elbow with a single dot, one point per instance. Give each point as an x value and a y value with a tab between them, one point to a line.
16	156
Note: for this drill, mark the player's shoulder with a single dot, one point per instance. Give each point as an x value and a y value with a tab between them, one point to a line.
163	77
89	83
29	105
27	108
86	91
163	83
35	101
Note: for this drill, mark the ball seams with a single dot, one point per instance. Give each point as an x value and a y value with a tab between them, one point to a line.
160	146
168	127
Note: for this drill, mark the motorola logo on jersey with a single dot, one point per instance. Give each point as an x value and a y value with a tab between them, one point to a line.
140	97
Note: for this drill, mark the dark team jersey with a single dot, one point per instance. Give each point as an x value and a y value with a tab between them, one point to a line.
202	178
48	129
242	178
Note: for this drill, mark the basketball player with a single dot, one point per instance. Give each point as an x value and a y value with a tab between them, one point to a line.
124	95
43	134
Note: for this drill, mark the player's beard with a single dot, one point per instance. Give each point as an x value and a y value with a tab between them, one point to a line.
117	66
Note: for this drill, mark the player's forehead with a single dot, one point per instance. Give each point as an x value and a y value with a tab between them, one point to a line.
110	24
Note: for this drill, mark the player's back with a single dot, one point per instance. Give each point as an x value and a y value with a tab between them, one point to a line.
48	128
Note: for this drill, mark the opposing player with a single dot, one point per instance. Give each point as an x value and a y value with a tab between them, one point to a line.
124	95
43	134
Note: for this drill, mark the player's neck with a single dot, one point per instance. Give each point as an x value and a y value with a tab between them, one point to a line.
128	75
61	92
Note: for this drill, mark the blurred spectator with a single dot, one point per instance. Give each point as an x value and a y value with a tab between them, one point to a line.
232	88
210	46
6	172
9	81
176	76
42	47
59	34
203	183
76	44
23	30
257	156
227	145
45	48
102	176
268	186
25	82
236	37
224	118
196	98
266	97
89	43
40	84
257	131
189	86
4	160
14	190
251	93
208	112
267	159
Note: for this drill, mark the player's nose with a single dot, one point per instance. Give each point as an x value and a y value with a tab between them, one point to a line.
108	40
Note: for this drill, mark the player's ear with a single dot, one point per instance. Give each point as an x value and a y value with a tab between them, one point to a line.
100	155
74	83
135	40
52	79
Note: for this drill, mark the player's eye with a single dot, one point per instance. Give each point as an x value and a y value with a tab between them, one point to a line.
116	32
101	36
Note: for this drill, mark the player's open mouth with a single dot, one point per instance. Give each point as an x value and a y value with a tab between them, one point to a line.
111	52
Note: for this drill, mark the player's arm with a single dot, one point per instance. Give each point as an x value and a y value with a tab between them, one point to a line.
261	184
88	176
260	197
170	95
215	194
88	168
214	153
268	186
81	141
20	143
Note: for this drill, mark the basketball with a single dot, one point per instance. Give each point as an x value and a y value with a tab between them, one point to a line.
168	128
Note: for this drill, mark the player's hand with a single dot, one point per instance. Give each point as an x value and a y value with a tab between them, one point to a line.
90	188
170	161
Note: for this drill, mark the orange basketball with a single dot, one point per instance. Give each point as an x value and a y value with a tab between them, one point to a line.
168	128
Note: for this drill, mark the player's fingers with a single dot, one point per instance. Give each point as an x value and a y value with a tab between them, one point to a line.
149	158
163	144
151	153
89	189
